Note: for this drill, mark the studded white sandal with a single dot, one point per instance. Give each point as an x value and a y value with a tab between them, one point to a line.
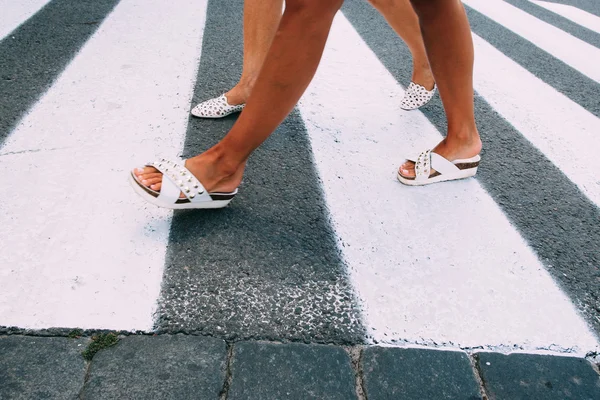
444	170
416	96
178	179
218	107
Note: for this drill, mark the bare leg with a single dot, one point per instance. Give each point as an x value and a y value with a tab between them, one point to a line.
401	16
288	69
261	19
447	38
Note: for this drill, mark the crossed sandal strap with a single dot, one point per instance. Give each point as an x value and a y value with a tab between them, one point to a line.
429	160
179	180
423	166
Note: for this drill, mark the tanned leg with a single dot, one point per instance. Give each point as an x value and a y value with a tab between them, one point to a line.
447	37
288	69
401	16
261	19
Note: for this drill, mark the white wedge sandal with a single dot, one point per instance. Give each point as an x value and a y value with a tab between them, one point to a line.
218	107
444	170
177	179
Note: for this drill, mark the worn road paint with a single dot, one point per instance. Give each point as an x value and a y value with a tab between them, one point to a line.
572	51
267	267
14	13
80	248
563	130
438	264
581	17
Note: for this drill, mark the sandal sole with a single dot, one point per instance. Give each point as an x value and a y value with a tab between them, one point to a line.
465	173
214	117
214	204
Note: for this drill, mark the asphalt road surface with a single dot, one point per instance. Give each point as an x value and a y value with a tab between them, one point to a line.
322	244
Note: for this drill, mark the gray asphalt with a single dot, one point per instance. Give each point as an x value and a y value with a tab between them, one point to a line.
562	23
39	50
570	82
280	274
590	6
551	213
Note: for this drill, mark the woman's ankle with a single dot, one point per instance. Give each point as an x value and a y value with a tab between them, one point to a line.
244	87
423	76
239	93
463	132
218	161
216	171
467	139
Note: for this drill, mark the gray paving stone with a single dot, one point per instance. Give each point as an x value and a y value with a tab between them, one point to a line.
533	377
158	367
290	371
41	367
393	373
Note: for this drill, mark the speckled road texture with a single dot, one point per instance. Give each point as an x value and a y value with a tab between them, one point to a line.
556	219
38	50
268	266
322	244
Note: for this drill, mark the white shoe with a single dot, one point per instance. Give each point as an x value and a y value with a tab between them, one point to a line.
218	107
416	96
444	170
177	179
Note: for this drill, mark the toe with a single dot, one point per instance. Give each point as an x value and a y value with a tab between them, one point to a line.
148	176
149	182
145	170
407	169
152	175
151	178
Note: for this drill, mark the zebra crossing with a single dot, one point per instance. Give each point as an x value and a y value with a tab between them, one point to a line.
322	244
13	13
580	17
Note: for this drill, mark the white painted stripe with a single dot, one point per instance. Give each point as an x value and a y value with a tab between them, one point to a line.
14	13
579	16
564	131
438	264
79	248
572	51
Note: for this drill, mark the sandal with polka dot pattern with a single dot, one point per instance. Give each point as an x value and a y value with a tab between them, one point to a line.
416	96
218	107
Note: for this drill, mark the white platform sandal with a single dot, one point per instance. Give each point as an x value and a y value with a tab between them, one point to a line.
218	107
178	179
416	96
444	170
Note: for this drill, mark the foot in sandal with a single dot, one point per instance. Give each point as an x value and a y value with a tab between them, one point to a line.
416	96
444	163
219	107
195	183
228	103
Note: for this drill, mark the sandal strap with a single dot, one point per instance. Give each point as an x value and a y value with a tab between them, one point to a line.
429	160
423	166
415	88
442	165
179	180
169	192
